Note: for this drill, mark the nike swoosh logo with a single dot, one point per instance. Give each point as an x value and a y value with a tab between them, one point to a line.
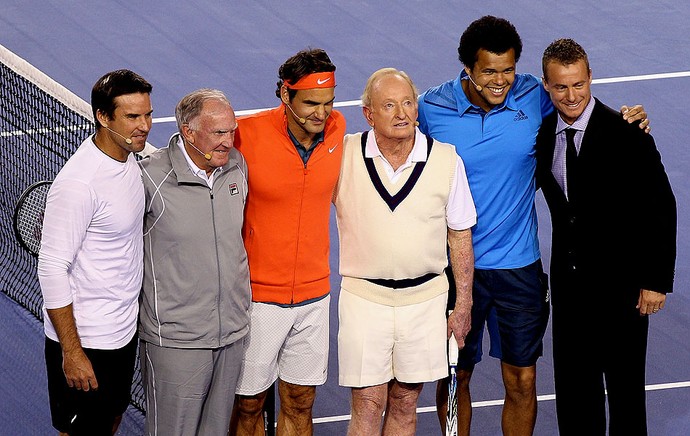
330	150
321	82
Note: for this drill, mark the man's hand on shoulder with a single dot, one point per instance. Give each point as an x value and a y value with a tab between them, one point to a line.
636	113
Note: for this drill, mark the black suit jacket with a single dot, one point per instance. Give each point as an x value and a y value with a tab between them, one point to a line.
620	234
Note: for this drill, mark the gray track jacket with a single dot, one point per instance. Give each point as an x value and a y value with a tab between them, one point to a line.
196	290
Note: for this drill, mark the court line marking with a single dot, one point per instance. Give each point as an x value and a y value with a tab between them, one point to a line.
350	103
643	77
491	403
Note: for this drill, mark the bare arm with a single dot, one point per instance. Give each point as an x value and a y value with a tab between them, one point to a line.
462	263
76	366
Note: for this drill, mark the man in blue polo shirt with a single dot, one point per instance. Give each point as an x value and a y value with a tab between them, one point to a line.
492	115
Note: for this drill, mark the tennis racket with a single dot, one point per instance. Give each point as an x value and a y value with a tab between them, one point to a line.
452	413
28	216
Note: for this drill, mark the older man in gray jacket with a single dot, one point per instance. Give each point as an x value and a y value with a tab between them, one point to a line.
195	298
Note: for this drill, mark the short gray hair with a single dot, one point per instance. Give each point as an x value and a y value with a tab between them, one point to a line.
189	108
378	74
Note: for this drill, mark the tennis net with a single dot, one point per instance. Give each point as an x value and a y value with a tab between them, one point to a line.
41	125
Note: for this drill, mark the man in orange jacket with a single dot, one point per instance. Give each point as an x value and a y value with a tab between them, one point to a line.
293	154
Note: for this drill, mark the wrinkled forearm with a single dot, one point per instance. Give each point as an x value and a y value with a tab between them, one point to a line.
462	264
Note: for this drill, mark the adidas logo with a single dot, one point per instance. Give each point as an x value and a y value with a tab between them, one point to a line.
520	116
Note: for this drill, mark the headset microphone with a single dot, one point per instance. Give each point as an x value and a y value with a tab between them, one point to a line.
127	140
477	87
300	119
207	156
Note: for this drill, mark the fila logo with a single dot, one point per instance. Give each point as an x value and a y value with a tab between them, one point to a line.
330	150
321	82
234	190
520	116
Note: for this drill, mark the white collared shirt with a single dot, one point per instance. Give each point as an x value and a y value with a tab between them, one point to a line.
195	169
460	201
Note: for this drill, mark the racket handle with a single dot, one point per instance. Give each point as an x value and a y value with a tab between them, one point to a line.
452	351
452	348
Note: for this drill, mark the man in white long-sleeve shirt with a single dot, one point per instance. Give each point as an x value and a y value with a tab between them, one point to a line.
90	264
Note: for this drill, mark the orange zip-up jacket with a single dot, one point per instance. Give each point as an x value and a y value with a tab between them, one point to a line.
286	227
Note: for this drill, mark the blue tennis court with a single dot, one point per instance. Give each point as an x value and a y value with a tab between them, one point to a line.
638	50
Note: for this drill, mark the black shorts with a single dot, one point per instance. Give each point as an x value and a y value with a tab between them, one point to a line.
90	413
514	304
491	322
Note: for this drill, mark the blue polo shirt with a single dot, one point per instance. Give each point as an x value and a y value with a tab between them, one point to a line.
498	149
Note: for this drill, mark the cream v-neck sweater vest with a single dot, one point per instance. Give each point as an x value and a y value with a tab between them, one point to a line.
389	236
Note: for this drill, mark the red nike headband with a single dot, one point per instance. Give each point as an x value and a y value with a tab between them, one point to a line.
314	80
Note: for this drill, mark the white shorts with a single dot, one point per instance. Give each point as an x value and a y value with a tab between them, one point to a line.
377	343
290	343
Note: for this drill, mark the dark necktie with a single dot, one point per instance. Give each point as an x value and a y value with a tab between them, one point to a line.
570	163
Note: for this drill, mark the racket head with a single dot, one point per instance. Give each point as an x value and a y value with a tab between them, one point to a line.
28	216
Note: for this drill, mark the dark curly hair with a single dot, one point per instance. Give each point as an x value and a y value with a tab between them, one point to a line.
308	61
495	35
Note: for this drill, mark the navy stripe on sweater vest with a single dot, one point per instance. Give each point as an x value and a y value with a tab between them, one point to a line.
393	200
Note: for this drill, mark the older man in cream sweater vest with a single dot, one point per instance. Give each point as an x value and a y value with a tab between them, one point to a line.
402	199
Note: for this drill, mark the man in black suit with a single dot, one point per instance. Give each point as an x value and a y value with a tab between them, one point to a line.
613	248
